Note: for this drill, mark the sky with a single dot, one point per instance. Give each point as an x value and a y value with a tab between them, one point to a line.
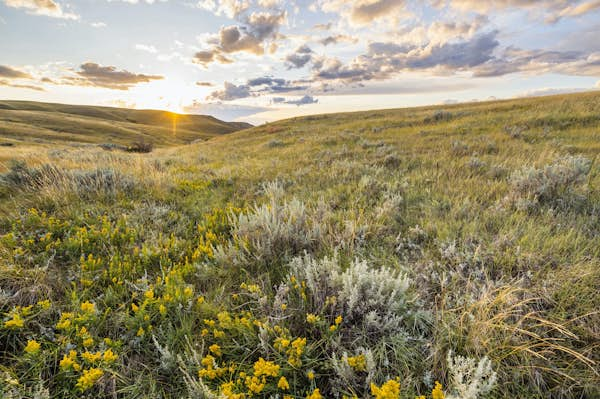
263	60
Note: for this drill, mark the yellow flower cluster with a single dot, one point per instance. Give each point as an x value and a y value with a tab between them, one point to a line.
283	384
293	349
267	368
69	362
16	321
358	363
17	315
32	347
88	307
316	394
211	369
389	390
227	391
89	378
437	392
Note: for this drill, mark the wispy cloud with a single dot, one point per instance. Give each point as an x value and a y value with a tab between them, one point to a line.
93	74
12	73
146	48
48	8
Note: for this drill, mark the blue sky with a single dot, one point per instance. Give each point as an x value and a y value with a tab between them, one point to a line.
261	60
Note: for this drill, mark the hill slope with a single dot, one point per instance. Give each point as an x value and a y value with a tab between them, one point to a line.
60	123
359	254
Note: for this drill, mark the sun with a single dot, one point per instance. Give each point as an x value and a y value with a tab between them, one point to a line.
169	94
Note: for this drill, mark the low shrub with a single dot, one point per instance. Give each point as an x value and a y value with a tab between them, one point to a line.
141	146
561	184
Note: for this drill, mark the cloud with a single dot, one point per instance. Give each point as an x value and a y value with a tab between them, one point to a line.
147	48
258	30
230	92
93	74
12	73
364	12
204	84
255	87
48	8
98	25
513	60
305	100
324	27
226	112
5	82
268	84
553	10
598	84
550	91
385	59
229	8
300	57
206	57
335	39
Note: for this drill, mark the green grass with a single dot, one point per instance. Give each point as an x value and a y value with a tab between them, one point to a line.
23	122
468	230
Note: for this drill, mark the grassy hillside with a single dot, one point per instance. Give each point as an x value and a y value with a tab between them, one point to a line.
23	122
359	255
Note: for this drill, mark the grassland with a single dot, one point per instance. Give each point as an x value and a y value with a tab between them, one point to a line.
46	125
351	255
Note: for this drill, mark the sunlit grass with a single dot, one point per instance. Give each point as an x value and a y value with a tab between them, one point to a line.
386	254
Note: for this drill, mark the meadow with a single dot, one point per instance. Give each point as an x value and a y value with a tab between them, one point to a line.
434	252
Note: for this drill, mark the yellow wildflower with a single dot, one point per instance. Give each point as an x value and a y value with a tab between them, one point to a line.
218	333
216	349
33	347
109	356
45	304
140	332
312	318
316	394
89	378
389	390
91	357
358	363
437	392
338	320
162	309
310	375
65	321
283	384
16	321
263	367
69	362
88	307
255	384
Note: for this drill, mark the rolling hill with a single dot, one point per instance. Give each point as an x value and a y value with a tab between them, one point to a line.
432	252
46	123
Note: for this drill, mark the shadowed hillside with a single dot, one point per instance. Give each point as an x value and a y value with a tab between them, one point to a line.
25	122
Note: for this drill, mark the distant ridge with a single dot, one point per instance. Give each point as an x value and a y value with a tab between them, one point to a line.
49	122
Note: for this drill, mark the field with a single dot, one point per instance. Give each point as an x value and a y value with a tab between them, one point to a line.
45	125
430	252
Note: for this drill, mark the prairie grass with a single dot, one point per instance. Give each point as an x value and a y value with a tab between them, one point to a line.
394	253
